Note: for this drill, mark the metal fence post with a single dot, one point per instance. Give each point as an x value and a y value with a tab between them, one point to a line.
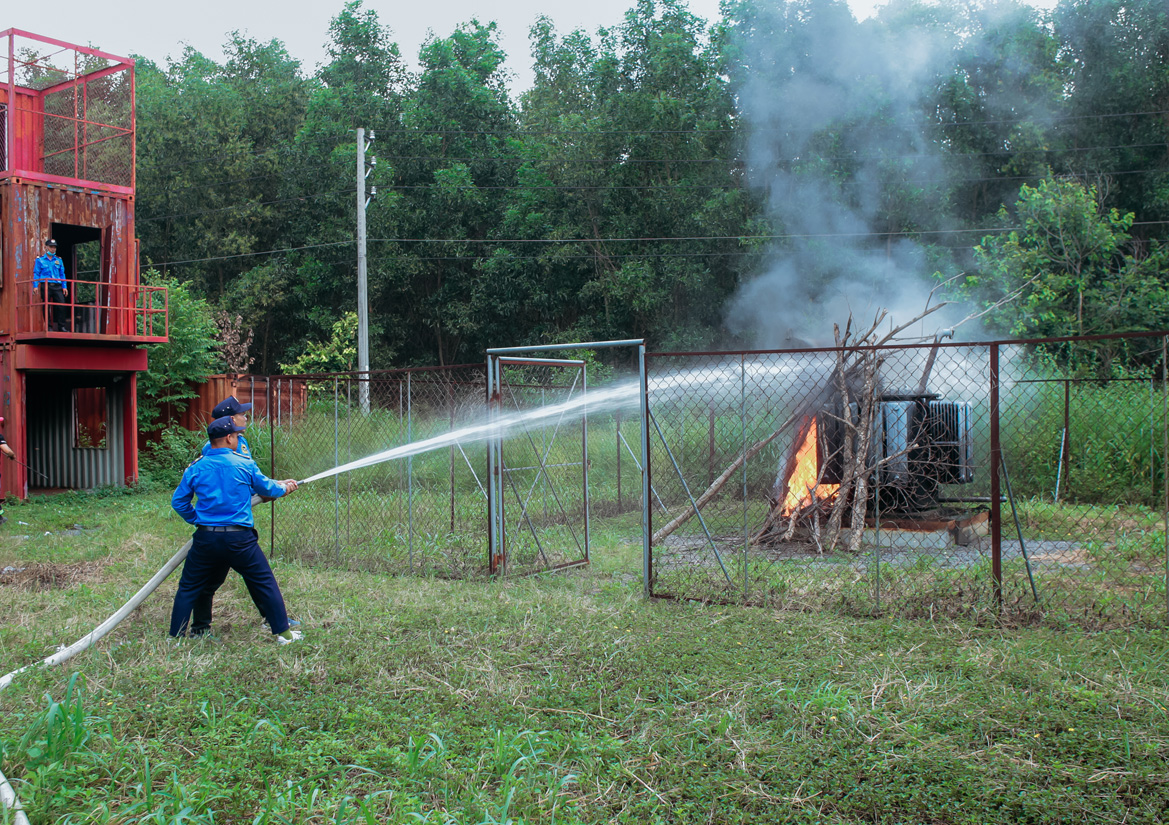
710	447
271	461
1165	459
1067	428
451	423
1152	445
876	533
996	533
646	514
618	441
584	436
410	471
336	478
743	432
492	494
349	451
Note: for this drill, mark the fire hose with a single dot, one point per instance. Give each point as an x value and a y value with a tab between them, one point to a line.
8	797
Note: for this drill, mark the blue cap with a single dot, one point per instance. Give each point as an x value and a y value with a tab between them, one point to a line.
229	406
223	426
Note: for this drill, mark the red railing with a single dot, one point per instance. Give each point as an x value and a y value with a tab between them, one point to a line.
93	310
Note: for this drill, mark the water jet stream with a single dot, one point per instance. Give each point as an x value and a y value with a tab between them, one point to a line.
622	395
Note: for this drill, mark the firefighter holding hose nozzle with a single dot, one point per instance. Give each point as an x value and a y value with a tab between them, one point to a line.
222	482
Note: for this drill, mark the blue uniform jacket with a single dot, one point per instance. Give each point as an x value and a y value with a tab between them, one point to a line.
242	449
222	483
48	269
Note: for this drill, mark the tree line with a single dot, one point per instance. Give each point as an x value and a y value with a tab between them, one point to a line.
657	167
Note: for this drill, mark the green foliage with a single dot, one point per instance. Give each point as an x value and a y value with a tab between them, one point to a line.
338	354
188	357
58	732
1070	268
613	198
161	463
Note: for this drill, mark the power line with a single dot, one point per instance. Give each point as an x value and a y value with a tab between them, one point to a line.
748	123
640	254
956	154
249	254
668	187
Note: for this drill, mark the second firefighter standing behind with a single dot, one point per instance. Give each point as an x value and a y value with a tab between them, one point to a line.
238	412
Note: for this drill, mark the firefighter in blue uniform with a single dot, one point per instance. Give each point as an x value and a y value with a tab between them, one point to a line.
48	278
222	484
230	406
237	411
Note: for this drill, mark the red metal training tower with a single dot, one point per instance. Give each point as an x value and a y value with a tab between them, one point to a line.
68	368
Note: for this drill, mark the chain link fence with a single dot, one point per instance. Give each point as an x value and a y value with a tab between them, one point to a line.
975	480
422	514
567	460
561	467
978	480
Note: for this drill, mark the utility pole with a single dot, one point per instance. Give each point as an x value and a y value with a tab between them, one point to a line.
362	280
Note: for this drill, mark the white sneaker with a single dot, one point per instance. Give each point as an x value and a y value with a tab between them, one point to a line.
295	636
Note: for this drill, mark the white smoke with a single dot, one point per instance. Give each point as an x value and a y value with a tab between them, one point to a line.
826	92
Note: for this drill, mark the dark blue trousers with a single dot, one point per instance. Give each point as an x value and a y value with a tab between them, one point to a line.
211	556
201	619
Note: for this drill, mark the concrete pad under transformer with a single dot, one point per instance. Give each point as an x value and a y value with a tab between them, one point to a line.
927	534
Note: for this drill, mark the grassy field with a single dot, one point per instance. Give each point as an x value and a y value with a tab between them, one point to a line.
565	698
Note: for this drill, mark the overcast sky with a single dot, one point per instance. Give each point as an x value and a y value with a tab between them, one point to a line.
157	29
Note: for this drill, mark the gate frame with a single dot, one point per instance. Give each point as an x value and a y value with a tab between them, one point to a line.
499	560
496	552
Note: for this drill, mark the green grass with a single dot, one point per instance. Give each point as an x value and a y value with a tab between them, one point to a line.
566	698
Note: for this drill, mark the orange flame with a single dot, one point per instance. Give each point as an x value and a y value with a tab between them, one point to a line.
802	488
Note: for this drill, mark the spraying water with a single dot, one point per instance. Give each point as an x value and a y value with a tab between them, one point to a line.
622	395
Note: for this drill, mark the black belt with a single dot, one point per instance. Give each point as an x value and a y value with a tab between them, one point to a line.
227	528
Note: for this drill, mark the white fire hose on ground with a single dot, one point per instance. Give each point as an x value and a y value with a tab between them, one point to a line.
8	796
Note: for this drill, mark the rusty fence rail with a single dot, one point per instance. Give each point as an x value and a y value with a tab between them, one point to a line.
1002	485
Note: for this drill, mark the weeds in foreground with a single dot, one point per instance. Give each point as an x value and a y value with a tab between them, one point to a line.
566	699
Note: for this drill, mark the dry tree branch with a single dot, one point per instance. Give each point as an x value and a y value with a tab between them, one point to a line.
893	333
860	498
1006	299
719	482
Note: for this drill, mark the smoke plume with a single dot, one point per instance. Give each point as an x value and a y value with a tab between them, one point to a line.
836	145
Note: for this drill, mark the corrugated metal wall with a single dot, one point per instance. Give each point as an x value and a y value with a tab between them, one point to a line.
51	421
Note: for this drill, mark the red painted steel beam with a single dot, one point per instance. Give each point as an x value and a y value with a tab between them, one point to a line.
130	430
74	184
54	42
100	359
86	78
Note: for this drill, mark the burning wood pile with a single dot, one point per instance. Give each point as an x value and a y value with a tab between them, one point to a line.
858	450
827	472
862	449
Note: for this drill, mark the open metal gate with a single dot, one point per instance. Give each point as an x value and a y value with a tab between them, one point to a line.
539	484
539	492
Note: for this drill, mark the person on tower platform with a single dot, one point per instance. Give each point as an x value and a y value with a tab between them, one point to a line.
48	280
